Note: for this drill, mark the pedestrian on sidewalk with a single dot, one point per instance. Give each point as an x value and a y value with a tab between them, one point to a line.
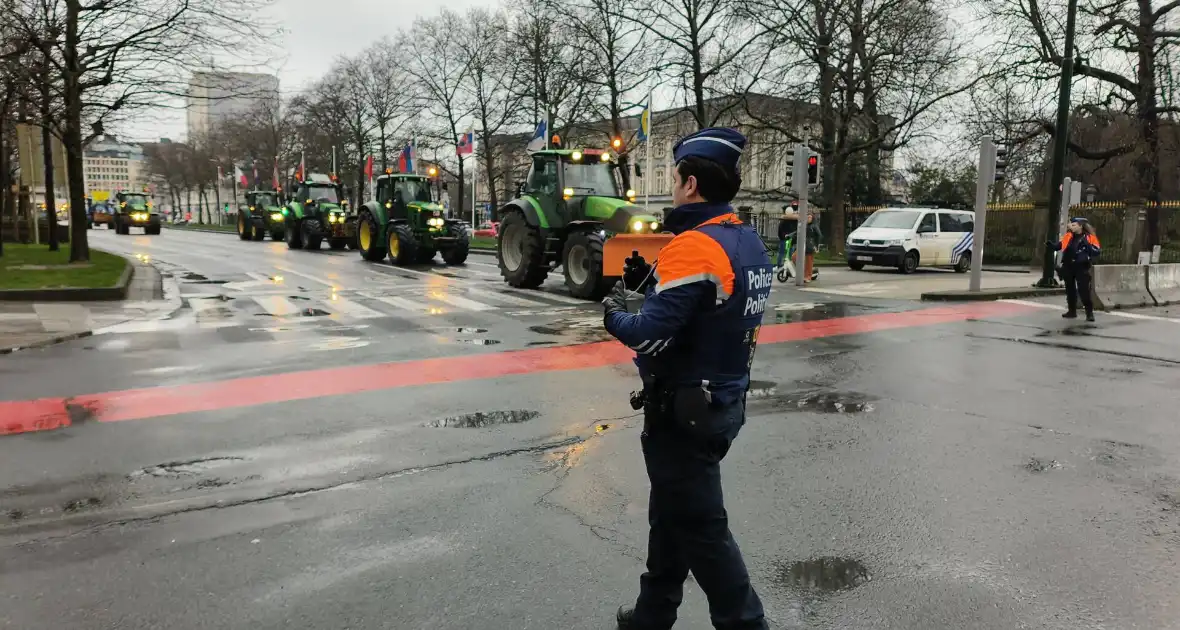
1079	249
787	225
814	236
694	342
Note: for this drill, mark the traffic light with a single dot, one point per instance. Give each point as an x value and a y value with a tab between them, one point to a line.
1001	164
813	169
791	168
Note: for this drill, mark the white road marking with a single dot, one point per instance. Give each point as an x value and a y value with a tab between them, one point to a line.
276	305
1058	307
556	297
500	296
460	302
399	302
347	307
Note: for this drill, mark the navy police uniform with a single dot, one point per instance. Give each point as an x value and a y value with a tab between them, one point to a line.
694	341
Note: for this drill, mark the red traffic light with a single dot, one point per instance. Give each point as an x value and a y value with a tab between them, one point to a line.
813	160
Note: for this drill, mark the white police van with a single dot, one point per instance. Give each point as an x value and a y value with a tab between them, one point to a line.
908	238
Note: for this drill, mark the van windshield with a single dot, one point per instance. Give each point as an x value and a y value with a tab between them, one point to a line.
892	219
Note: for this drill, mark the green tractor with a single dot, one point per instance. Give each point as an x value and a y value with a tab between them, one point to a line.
404	223
571	212
317	211
262	214
135	210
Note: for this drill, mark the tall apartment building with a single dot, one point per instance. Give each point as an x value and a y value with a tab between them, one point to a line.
109	166
218	96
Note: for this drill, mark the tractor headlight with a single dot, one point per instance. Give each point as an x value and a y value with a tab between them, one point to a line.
637	226
567	193
654	225
605	157
630	194
276	216
435	222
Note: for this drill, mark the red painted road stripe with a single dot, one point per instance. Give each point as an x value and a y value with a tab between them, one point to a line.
136	404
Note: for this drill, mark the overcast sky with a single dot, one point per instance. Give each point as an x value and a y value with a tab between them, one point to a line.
315	33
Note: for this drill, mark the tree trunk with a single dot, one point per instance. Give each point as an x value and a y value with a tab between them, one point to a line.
47	156
1148	168
72	135
4	183
489	165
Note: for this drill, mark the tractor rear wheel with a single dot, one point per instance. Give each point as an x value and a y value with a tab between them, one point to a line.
403	249
521	252
310	241
457	254
294	235
369	240
244	227
582	262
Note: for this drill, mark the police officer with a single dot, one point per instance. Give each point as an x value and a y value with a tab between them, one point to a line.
1079	249
695	340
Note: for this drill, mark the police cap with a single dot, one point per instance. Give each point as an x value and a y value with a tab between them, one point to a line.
716	144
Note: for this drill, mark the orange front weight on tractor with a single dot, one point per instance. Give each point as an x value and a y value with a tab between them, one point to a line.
617	249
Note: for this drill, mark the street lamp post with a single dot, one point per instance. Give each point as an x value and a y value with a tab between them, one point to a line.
1060	138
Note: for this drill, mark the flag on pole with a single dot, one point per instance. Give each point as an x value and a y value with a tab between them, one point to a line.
240	177
645	121
277	183
466	144
405	161
539	138
301	172
256	174
369	167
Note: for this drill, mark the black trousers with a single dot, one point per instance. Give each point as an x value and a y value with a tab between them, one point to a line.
689	525
1077	285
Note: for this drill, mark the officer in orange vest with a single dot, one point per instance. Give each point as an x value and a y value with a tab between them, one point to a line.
694	340
1079	249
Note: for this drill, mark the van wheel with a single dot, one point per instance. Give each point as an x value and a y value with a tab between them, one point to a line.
856	265
909	263
964	263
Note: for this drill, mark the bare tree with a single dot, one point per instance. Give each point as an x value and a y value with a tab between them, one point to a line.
384	92
115	57
1123	47
440	70
492	75
551	71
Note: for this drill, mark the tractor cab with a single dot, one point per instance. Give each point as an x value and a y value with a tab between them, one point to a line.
261	215
319	191
398	192
133	209
317	210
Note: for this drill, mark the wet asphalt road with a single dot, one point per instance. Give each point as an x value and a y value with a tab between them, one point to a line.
1011	471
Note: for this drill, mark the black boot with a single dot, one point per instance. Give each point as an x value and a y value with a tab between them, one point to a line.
1089	314
624	617
1070	314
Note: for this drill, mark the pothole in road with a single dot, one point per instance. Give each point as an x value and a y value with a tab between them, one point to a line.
761	389
542	343
479	342
823	575
78	505
826	402
16	515
1038	465
484	419
471	331
314	312
185	468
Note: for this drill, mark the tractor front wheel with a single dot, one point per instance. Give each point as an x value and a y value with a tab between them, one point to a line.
338	243
403	249
245	227
369	241
258	232
310	241
457	254
294	234
521	252
582	262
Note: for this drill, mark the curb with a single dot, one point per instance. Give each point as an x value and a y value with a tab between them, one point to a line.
986	295
204	230
94	294
47	342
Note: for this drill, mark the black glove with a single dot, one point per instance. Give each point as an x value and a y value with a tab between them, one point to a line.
615	301
1052	244
637	273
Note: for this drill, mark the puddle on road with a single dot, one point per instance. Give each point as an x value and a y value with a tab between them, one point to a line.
471	331
479	342
583	329
542	343
77	505
193	276
16	515
185	468
810	312
825	402
299	297
823	575
1038	465
314	312
484	419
